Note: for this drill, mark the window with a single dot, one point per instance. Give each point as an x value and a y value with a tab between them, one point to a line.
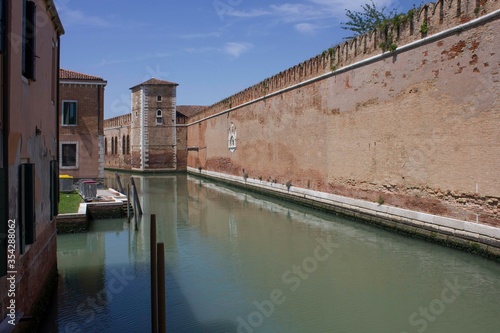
128	144
159	117
105	146
69	113
27	205
124	147
69	155
28	45
158	98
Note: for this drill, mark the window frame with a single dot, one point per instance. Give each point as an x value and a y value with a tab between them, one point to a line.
63	112
159	117
77	151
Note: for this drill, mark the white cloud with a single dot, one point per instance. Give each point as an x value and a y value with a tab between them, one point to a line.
71	17
251	13
339	6
235	50
308	10
306	28
200	35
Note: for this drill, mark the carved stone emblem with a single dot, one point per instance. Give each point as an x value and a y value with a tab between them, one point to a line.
231	138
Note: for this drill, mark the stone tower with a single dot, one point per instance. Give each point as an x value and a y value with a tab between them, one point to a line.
153	132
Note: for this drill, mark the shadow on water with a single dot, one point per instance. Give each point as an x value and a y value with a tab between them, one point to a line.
180	315
83	261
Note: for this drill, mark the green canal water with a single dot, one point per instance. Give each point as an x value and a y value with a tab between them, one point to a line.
240	262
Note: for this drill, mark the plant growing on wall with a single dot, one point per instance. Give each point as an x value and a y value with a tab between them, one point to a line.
331	54
264	87
424	28
366	20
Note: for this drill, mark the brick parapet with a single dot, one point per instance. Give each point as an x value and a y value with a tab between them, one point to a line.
438	17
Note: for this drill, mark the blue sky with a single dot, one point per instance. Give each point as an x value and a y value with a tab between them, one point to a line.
211	48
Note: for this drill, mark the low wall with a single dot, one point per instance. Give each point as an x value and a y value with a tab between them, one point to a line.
80	222
105	210
473	237
72	223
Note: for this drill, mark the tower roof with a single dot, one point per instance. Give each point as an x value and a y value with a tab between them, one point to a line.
156	82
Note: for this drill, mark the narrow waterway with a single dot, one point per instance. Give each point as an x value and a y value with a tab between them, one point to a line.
240	262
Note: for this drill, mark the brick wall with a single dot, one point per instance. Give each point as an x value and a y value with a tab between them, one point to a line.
403	128
90	103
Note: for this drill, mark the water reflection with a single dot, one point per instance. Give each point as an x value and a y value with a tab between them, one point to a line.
241	262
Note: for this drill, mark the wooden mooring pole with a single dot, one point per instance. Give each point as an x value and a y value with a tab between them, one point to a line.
154	285
120	187
162	306
134	194
128	203
136	197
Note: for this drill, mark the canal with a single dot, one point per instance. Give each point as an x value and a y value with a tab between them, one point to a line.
240	262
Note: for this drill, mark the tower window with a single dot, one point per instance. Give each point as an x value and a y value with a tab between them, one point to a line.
159	117
158	98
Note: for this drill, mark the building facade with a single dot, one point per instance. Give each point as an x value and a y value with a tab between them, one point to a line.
153	137
29	65
81	132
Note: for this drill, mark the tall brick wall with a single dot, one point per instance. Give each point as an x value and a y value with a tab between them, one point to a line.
31	138
117	128
417	128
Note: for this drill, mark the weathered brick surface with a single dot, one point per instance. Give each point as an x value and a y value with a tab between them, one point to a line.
405	128
69	224
89	128
31	137
163	142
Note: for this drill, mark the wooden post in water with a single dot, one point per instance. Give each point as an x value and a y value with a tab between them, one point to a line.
162	306
154	286
120	187
128	203
135	209
136	197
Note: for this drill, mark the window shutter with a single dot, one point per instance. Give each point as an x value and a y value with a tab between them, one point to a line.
29	47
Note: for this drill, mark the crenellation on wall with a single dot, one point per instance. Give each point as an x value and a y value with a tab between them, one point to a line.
419	23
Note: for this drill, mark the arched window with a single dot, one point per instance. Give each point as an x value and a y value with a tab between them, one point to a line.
159	117
128	144
112	146
124	147
116	145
